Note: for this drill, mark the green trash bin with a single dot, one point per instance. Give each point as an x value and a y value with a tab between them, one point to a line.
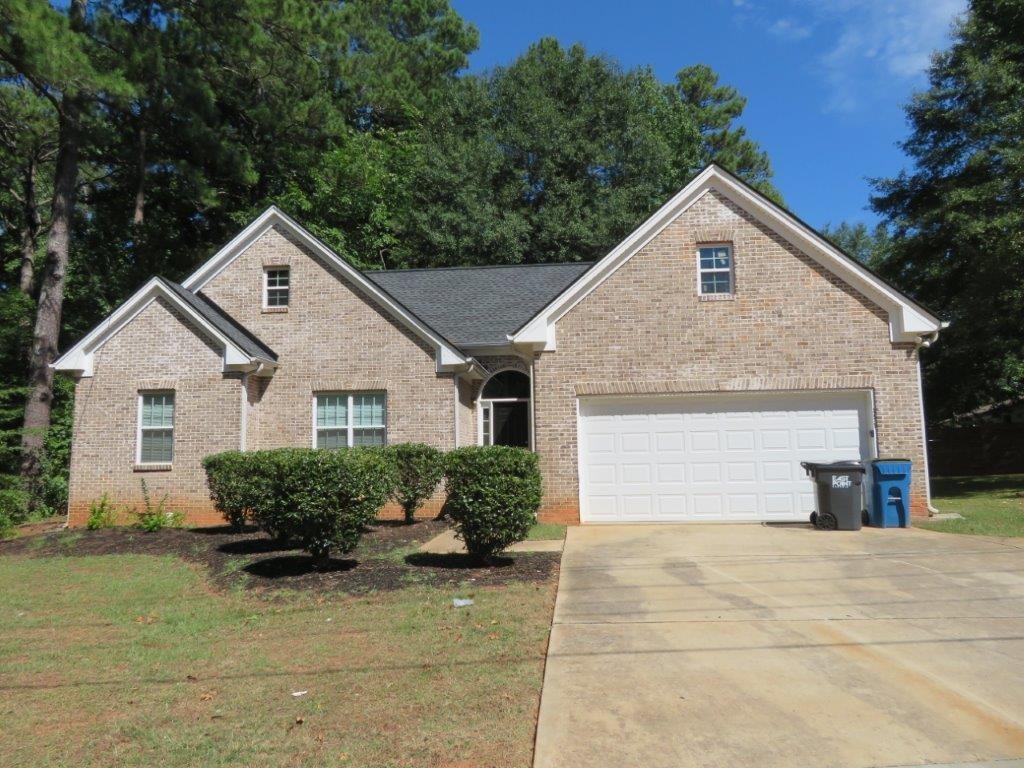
838	494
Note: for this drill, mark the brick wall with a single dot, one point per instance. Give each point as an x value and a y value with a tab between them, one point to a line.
158	350
791	324
332	338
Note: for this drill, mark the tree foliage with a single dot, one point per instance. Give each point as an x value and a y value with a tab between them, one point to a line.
957	216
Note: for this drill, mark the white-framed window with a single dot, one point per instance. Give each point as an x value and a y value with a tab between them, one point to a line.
346	419
276	287
155	439
715	272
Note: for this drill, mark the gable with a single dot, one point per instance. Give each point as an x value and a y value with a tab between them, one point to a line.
782	304
908	321
240	351
447	355
328	317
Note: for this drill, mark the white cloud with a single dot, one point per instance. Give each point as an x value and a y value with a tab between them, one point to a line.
867	45
789	29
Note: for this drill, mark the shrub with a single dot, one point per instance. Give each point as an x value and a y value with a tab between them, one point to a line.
102	514
418	470
14	505
154	517
322	499
232	485
7	526
493	496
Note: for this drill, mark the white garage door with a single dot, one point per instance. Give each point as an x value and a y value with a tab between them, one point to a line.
732	457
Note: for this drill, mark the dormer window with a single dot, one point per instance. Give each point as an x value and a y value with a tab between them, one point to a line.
276	288
715	270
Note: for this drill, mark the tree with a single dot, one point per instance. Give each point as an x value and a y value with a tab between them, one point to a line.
55	55
560	154
957	216
27	149
714	108
871	247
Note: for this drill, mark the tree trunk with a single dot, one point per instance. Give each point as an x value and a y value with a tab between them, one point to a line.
51	284
29	231
139	214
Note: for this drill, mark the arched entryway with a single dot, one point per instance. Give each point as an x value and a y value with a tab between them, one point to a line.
504	409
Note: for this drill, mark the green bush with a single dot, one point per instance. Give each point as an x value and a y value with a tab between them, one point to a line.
7	526
418	470
493	496
14	505
232	485
321	499
102	514
154	517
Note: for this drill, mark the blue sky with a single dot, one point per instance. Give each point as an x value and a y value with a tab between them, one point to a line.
825	80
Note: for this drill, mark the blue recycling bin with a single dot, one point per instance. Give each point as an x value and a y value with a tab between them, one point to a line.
890	493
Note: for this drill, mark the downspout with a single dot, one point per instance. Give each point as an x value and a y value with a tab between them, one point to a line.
924	436
244	414
533	409
455	381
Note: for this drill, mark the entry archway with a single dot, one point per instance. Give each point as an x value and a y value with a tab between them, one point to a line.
504	409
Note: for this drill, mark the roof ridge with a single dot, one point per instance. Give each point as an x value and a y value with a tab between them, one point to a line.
476	267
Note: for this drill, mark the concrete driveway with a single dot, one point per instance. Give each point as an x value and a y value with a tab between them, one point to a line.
748	645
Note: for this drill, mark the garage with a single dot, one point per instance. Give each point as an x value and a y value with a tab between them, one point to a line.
713	458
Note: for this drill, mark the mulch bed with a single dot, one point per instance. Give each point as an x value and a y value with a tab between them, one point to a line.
386	558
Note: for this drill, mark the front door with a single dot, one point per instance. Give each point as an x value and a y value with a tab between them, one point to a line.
511	423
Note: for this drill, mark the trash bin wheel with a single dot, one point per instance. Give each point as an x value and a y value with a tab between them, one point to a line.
828	522
865	518
814	518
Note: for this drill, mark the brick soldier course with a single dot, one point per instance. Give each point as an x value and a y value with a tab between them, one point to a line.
789	324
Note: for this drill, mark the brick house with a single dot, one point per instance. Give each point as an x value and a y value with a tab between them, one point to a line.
682	377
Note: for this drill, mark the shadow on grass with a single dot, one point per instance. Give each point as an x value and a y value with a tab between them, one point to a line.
1000	486
290	566
455	560
255	546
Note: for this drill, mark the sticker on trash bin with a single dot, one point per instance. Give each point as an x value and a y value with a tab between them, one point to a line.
841	481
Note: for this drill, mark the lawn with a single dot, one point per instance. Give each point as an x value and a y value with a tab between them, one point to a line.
545	532
991	505
143	659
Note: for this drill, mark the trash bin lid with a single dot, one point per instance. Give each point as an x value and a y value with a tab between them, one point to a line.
848	465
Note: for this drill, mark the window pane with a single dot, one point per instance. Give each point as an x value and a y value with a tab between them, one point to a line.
157	446
277	287
715	258
332	438
277	297
332	410
368	436
508	384
368	410
158	410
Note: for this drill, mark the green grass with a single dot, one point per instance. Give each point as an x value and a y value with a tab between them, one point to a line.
991	505
133	660
546	531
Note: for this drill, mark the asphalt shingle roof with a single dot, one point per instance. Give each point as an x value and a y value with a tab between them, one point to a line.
222	321
478	305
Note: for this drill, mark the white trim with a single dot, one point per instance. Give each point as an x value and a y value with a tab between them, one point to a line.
79	359
731	269
447	357
141	394
907	320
